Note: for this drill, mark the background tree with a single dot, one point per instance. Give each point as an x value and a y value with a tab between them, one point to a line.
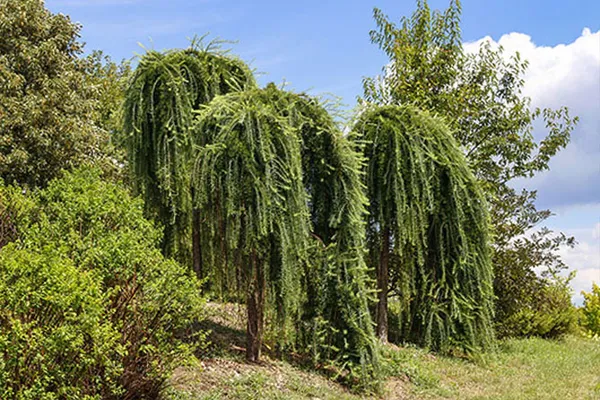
46	102
479	95
427	230
164	91
590	312
108	81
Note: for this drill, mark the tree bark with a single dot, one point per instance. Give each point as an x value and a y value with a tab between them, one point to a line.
196	257
255	305
382	286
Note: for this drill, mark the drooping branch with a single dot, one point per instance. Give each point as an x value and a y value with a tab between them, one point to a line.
249	190
165	91
421	189
337	324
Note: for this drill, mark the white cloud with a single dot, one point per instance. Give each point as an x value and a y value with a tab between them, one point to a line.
565	74
584	258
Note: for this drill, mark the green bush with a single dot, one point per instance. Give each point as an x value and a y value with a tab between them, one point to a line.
590	312
92	276
53	331
549	314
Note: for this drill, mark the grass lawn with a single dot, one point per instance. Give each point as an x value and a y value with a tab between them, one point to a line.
521	369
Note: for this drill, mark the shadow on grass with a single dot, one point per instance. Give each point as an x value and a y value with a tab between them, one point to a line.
224	340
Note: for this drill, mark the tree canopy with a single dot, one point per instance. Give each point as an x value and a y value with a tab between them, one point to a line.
47	106
336	323
273	167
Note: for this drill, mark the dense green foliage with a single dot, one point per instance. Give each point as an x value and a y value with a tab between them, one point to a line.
46	101
260	192
108	80
248	189
479	96
270	162
550	314
428	218
54	339
336	324
89	305
164	91
590	312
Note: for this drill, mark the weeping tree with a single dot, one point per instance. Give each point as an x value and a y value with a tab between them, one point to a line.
162	96
283	207
336	323
427	230
248	187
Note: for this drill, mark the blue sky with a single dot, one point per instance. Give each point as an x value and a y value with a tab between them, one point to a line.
323	46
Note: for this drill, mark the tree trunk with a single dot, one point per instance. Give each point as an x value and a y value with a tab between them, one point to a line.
382	286
255	305
196	257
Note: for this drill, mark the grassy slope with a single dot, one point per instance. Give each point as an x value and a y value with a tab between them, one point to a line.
521	369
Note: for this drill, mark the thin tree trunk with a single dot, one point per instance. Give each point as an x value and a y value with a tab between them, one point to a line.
196	257
255	305
382	286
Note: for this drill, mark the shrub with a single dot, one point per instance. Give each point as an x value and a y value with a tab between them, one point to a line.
53	334
590	312
549	314
90	235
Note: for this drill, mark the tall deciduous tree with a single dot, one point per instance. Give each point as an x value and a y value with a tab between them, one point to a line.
427	230
479	95
47	107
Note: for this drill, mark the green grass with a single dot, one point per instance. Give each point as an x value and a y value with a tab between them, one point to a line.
567	369
521	369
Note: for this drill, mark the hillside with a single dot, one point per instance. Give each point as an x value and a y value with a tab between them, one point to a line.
521	369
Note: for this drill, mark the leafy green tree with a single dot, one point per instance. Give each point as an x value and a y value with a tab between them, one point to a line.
427	230
479	95
108	82
161	98
279	189
591	310
335	324
46	104
166	91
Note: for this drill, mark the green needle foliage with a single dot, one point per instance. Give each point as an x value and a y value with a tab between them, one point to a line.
271	168
481	97
428	219
249	190
337	324
164	91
